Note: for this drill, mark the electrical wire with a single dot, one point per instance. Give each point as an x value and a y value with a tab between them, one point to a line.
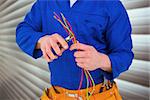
67	26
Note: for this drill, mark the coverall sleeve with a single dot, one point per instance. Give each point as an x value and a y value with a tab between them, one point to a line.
29	32
118	38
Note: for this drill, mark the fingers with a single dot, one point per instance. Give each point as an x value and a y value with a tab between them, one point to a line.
49	42
82	65
61	41
45	55
49	52
83	54
56	48
62	50
82	60
85	66
59	45
79	46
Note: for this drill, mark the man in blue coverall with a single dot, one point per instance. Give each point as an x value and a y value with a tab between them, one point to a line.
102	28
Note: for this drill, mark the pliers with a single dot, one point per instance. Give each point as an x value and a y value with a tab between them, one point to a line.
69	38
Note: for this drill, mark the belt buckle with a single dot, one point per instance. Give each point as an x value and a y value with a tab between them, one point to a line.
74	96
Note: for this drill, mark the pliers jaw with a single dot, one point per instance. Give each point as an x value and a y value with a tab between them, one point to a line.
69	38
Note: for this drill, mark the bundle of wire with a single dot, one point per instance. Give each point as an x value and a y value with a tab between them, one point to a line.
90	82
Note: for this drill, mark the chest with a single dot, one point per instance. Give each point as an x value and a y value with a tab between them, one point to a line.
88	23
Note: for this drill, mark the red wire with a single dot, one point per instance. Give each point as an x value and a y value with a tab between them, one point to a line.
71	30
69	24
74	41
66	30
82	74
81	80
90	81
56	15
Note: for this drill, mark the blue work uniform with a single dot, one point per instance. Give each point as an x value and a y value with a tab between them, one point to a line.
102	24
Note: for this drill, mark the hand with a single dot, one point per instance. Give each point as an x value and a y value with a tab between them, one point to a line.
49	42
87	57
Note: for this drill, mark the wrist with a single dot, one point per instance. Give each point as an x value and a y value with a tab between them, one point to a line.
38	45
104	62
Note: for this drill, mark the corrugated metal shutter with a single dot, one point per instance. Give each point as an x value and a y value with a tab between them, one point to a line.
23	78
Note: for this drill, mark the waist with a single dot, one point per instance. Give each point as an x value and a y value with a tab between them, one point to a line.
82	91
73	84
56	92
65	73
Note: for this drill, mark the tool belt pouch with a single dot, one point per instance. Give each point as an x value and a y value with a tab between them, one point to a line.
110	94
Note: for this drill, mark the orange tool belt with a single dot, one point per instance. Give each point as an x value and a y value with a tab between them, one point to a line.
59	93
